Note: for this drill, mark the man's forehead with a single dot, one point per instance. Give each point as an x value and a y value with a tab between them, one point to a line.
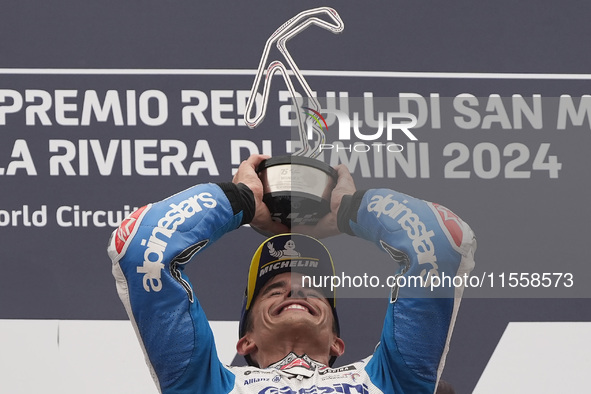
286	277
289	279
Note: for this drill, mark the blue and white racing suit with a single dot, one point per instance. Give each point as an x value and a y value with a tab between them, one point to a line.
151	246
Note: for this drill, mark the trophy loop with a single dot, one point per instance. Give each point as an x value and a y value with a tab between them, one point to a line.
280	37
297	188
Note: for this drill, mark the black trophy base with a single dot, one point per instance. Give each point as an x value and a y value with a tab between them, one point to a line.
297	189
292	209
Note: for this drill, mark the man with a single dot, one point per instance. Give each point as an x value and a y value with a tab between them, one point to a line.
289	333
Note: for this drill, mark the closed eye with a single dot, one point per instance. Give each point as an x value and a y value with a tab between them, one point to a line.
277	288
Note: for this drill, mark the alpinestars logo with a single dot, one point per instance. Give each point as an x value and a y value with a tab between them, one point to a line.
161	234
415	229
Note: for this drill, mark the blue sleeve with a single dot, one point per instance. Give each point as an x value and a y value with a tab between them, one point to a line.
429	243
148	251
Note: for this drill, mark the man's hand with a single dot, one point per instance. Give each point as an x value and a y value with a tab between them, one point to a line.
327	226
262	221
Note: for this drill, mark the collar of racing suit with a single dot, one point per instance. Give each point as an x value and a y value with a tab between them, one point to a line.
295	365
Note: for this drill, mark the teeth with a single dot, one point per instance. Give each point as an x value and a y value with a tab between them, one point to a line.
296	306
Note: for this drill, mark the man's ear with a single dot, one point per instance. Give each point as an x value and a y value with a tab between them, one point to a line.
245	346
338	347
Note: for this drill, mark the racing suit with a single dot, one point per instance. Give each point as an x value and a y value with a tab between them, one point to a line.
151	246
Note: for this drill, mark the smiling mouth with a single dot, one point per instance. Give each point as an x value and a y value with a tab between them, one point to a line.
296	307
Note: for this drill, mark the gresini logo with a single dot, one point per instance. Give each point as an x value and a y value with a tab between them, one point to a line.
161	234
334	388
415	229
354	137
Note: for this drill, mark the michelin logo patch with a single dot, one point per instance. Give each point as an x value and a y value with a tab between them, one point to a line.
288	250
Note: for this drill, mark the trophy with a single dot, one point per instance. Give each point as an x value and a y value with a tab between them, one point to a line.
297	187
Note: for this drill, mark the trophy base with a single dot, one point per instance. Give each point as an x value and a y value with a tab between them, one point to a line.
297	189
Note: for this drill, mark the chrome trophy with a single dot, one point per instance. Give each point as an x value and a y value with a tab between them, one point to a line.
297	187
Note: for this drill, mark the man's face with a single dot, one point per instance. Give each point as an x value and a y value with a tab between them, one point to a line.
283	302
285	311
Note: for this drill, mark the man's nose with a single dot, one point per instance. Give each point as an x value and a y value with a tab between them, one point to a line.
296	292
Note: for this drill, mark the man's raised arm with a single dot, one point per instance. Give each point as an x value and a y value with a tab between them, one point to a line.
149	251
428	243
